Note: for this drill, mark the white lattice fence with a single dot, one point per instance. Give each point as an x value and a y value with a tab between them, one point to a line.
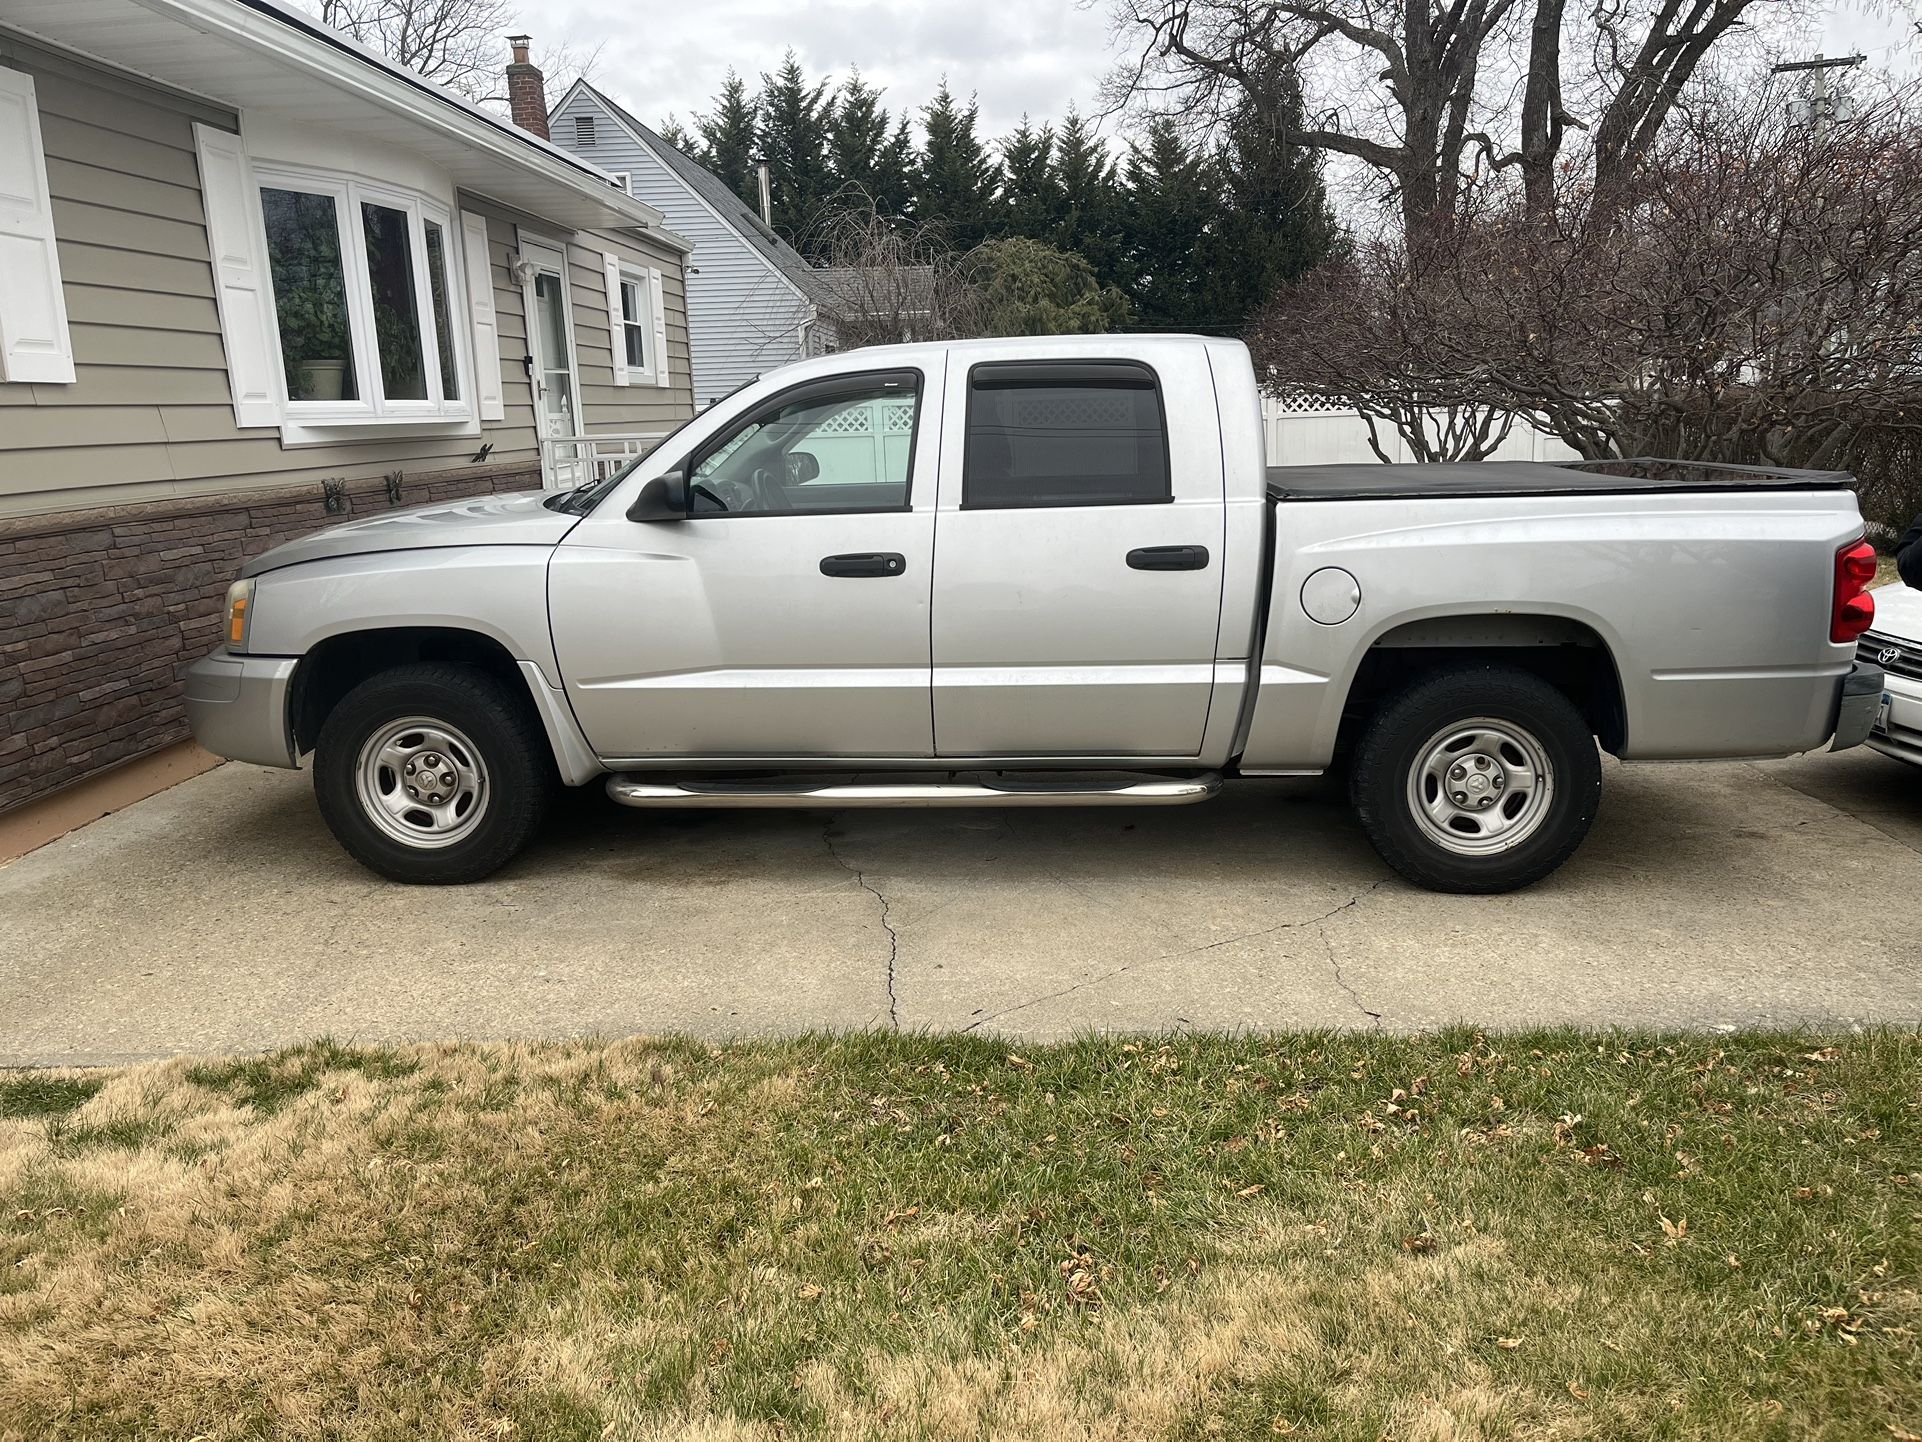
1307	432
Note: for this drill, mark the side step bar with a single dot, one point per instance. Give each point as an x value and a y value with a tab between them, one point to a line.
1001	790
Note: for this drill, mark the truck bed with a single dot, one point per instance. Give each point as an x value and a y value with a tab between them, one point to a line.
1376	482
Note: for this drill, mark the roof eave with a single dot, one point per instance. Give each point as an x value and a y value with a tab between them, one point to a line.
295	40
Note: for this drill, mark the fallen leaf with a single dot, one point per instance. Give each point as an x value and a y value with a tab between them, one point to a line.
1420	1243
1577	1390
1253	1191
1676	1232
1020	1062
1508	1344
809	1292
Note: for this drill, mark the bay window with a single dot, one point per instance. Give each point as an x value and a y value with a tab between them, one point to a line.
363	300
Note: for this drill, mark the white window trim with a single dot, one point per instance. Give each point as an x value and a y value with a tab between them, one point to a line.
621	273
623	179
313	422
42	352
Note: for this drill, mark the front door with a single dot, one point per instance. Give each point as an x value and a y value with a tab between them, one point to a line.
1077	593
551	360
788	616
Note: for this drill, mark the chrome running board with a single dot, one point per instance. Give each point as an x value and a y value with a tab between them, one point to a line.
1001	789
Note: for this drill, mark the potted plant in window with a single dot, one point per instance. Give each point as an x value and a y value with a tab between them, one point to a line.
313	338
311	306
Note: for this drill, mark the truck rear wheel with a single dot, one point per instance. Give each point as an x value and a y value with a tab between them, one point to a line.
431	774
1477	780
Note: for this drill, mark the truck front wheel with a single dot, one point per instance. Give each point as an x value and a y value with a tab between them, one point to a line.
431	774
1483	779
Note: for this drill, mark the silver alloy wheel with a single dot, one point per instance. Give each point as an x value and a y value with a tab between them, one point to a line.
421	782
1481	787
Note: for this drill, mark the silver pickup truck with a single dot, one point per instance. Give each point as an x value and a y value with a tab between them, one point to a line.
1043	572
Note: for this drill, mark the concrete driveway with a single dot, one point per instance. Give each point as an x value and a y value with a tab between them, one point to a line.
221	916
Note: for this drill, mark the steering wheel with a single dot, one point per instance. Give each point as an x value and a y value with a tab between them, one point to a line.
769	492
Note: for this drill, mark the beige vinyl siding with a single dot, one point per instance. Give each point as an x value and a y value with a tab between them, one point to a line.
642	407
150	415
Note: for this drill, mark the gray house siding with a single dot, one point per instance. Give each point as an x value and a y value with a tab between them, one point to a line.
742	315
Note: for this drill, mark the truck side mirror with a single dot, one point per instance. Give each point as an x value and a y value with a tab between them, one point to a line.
665	498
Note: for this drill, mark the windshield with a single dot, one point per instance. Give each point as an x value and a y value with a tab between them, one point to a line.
582	499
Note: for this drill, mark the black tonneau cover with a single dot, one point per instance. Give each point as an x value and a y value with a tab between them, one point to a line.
1535	478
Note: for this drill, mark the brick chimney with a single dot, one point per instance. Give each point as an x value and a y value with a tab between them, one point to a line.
526	89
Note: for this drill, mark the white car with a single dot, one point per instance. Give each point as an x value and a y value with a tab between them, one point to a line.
1894	643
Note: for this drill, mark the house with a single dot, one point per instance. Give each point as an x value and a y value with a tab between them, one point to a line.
753	302
253	276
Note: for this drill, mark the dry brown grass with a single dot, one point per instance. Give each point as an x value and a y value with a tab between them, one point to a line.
1434	1240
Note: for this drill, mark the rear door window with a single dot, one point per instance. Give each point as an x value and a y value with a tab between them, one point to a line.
1061	433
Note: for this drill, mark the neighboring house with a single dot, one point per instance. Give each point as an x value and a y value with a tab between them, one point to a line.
253	276
753	302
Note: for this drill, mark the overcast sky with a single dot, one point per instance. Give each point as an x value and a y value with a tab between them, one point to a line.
1020	56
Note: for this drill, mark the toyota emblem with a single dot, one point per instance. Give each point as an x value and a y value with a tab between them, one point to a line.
1890	655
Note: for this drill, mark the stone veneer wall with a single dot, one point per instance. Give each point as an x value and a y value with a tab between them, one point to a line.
100	611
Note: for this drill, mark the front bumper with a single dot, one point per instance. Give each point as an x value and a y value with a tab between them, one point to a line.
237	707
1860	704
1898	728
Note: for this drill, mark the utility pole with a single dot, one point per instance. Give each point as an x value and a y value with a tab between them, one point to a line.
1821	104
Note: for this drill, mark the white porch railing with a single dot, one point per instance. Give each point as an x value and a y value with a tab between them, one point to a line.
570	461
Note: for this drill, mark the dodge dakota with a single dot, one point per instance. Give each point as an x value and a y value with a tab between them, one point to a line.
1043	572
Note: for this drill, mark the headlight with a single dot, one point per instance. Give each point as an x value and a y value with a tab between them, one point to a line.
240	612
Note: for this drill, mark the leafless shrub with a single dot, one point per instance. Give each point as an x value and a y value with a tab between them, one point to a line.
1751	294
892	282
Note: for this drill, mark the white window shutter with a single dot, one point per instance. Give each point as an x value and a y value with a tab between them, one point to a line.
480	307
616	331
34	342
243	287
659	307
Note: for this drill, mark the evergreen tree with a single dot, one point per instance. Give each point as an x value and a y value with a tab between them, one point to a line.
795	122
958	179
1087	217
727	139
1031	192
1175	219
676	134
871	162
1277	224
1029	288
899	169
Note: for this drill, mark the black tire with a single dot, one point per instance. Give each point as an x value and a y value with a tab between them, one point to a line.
509	756
1398	739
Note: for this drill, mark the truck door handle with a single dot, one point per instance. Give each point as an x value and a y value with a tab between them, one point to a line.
865	563
1168	558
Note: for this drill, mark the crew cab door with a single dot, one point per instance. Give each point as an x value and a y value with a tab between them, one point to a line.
787	615
1077	584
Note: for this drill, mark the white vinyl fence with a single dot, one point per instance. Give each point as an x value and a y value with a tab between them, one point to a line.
1307	433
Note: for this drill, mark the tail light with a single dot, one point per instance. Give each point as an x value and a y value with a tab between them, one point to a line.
1854	607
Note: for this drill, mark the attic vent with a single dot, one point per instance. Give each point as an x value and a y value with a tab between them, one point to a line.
583	130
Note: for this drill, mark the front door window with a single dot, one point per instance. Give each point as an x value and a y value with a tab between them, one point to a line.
554	377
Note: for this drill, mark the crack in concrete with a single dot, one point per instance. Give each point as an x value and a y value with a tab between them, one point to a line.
1318	922
1341	981
887	923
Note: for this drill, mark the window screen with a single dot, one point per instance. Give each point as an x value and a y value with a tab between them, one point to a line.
1064	434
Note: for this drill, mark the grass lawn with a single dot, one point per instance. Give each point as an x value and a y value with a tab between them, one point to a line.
1450	1237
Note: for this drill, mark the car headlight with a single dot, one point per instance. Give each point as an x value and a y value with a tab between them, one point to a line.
240	614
